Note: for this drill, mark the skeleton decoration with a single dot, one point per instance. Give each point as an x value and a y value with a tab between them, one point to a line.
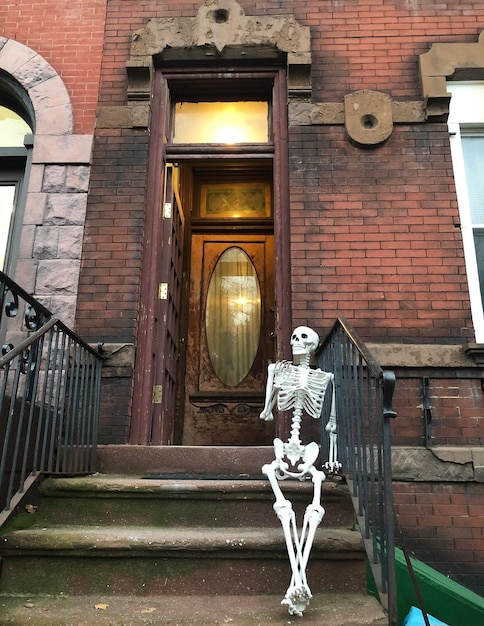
301	389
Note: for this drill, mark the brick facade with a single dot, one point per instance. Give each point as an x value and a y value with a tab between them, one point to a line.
69	35
375	237
442	524
375	231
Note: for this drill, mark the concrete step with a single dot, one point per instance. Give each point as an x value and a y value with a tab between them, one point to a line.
330	609
145	560
136	501
192	460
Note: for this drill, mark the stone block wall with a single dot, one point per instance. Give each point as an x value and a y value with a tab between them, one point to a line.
53	50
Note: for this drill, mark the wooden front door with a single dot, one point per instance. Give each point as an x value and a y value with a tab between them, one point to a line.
169	312
229	339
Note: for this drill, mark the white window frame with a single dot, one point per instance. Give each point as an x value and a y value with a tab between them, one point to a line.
463	121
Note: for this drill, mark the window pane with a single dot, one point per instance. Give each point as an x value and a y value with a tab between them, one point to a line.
473	148
7	195
12	129
233	316
221	122
479	243
467	102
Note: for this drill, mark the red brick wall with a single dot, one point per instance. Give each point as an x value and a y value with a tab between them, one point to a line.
108	297
442	525
69	35
111	267
457	412
374	236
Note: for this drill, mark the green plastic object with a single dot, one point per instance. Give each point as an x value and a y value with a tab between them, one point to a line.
444	599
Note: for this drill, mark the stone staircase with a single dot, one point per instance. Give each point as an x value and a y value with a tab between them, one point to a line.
177	544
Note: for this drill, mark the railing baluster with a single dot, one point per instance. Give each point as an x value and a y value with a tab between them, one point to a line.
49	397
8	431
363	401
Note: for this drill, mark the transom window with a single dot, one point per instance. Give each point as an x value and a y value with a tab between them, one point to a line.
221	122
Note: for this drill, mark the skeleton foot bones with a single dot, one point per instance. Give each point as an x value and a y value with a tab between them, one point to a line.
301	389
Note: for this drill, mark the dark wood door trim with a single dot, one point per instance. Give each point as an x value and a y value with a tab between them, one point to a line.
282	251
140	432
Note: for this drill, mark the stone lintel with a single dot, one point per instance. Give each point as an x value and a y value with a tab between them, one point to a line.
458	61
305	113
220	31
135	115
437	464
390	355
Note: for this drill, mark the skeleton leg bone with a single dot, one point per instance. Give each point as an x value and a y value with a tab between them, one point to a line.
298	593
312	517
287	517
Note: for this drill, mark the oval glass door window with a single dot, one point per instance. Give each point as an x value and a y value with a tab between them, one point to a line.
233	316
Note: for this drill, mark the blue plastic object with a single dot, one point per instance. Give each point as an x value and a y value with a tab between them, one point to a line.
415	618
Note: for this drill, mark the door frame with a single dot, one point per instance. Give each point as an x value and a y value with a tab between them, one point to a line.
147	320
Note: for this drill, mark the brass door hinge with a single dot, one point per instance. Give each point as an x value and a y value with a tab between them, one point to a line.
163	291
157	394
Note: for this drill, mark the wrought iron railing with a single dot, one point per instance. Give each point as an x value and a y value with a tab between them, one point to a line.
49	397
364	412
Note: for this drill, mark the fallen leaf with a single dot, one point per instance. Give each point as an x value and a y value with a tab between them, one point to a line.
101	606
150	610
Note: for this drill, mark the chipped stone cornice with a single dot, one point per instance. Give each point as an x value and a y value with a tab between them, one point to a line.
438	464
221	30
459	61
391	355
368	116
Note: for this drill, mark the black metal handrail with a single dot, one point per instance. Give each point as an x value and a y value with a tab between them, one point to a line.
49	397
364	410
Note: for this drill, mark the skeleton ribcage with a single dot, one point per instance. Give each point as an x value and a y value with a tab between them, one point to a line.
301	388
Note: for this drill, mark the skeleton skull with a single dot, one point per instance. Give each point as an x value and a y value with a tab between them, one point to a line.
304	340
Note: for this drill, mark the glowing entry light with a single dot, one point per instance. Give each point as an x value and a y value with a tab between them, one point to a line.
221	122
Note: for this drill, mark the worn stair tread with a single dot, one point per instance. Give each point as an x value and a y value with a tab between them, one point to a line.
118	485
135	540
332	609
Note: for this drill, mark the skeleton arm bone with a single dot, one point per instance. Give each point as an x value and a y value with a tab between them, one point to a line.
271	395
333	465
